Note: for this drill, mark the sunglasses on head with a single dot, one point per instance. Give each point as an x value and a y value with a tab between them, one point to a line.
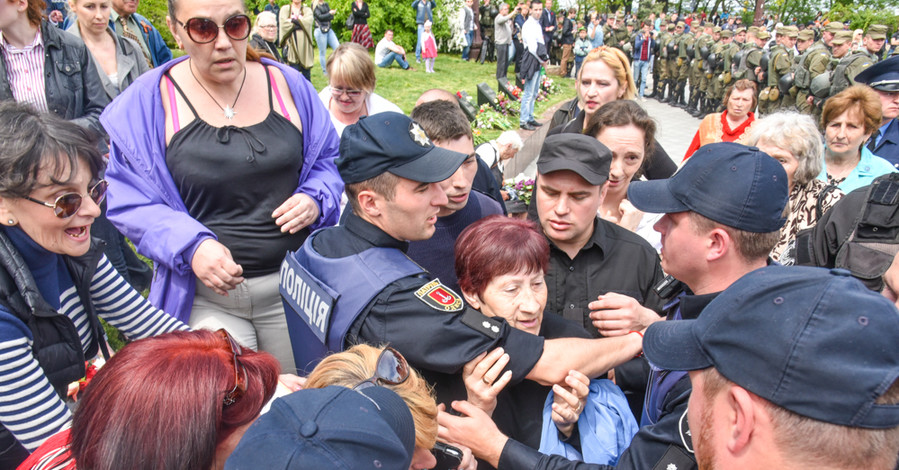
240	381
391	369
204	30
68	204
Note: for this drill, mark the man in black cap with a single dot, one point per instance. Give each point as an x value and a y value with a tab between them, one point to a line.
883	77
354	283
589	256
817	388
723	214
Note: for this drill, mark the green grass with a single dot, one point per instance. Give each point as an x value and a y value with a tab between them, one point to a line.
403	87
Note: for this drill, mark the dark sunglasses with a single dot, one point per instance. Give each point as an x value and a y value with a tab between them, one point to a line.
68	204
204	30
240	381
391	369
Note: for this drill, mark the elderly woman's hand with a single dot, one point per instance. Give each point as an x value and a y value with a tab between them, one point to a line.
568	402
296	213
484	378
213	265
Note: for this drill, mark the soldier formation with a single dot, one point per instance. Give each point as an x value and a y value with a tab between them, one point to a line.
798	69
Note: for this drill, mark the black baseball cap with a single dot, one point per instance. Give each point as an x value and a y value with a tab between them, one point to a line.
393	142
333	427
579	153
814	341
732	184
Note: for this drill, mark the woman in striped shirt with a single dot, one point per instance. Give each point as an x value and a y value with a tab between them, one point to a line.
54	279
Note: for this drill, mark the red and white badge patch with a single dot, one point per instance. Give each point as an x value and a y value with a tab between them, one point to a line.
439	297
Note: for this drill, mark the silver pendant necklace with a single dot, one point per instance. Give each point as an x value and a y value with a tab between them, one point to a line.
228	110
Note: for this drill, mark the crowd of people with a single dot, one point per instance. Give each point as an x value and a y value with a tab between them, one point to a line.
337	284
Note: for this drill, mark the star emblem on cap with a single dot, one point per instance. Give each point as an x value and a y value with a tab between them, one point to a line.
418	135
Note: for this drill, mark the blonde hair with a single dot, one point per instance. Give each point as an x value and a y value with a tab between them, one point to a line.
351	66
350	367
620	65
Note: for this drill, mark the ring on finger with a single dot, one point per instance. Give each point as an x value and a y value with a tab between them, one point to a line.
488	382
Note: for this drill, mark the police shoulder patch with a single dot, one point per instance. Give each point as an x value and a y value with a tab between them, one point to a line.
675	458
439	297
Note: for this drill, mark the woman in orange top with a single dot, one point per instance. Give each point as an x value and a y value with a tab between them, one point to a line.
734	123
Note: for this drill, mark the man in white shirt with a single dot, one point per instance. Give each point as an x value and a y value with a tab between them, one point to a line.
532	58
387	51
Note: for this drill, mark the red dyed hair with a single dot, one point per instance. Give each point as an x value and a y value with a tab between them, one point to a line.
158	403
498	245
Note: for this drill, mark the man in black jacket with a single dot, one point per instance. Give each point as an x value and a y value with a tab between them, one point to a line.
719	225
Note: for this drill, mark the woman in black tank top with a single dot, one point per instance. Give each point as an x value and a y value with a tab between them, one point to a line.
236	155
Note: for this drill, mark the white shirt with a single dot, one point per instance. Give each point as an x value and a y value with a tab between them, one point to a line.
531	35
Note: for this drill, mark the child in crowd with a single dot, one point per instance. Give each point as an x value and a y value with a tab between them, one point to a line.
581	48
428	48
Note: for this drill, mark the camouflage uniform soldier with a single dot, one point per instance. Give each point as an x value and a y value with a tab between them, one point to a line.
660	67
683	65
811	63
779	64
874	40
740	37
850	65
628	46
672	65
722	71
698	81
822	84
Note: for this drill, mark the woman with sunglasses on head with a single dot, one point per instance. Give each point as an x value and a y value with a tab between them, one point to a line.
55	281
221	162
350	93
362	366
179	401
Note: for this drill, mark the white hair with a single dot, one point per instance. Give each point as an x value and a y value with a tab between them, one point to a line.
510	138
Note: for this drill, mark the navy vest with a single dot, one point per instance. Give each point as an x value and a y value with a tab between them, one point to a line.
331	293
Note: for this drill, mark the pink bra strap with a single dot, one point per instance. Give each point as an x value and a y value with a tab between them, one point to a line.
278	95
173	107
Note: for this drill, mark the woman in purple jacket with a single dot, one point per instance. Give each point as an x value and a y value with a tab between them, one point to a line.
219	164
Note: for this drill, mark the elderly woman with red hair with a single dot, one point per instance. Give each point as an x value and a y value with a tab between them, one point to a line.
176	401
500	263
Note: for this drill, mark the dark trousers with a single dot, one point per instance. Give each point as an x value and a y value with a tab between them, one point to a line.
519	49
502	60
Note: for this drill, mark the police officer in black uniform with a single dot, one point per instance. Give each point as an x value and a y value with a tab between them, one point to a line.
354	284
713	184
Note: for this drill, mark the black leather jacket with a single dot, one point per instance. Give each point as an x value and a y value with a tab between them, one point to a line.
73	87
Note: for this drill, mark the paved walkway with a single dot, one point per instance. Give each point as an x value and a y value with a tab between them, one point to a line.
675	132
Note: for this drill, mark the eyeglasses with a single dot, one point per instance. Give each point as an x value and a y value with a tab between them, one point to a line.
240	382
391	369
204	30
336	92
68	204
